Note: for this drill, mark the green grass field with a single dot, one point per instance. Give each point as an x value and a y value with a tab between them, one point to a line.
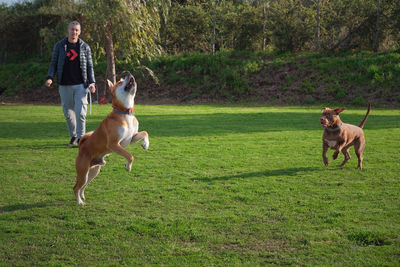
219	186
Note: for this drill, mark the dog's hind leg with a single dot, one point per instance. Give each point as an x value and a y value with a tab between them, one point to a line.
142	136
93	172
346	154
82	165
359	149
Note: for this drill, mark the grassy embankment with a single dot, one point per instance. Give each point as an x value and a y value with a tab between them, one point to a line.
308	78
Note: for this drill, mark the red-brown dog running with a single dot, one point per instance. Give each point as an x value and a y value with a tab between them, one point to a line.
116	131
341	136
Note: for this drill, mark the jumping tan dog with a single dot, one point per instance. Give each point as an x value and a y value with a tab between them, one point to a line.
341	136
116	131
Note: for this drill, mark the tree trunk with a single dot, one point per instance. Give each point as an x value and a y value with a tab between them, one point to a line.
163	28
378	11
41	37
110	71
165	34
318	29
264	40
214	26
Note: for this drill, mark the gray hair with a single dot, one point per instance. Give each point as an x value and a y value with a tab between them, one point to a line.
74	23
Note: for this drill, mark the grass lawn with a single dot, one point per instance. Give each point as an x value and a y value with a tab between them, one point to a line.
220	186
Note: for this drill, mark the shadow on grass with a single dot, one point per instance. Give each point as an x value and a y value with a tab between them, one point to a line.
24	206
184	125
266	173
48	146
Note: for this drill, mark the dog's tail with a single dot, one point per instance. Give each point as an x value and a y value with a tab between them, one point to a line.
83	139
366	116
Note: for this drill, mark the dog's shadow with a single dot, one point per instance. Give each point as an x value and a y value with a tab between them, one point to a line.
266	173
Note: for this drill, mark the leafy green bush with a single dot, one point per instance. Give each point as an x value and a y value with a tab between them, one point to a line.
235	75
307	86
340	94
359	100
310	100
221	72
22	77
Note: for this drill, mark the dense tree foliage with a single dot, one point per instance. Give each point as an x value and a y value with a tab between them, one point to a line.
124	29
142	29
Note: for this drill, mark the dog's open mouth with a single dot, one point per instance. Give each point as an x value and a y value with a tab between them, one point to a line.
130	84
324	124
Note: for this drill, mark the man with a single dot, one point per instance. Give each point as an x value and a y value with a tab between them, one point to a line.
72	62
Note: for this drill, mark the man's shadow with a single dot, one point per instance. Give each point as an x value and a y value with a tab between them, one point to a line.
24	206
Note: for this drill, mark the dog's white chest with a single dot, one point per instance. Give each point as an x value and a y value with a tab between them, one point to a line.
331	143
126	132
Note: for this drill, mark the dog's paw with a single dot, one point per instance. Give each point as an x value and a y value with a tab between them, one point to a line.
335	155
128	166
145	144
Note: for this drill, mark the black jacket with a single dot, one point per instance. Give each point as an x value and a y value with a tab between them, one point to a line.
85	60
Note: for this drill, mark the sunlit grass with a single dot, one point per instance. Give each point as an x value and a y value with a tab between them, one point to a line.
219	186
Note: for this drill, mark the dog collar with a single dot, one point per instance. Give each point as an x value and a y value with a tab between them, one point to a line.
334	129
126	111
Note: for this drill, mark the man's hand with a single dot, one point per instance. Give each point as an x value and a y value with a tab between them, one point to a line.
92	88
48	82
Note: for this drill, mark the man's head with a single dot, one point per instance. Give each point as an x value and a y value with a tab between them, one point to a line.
74	30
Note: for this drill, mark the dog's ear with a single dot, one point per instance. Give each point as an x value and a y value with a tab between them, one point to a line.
338	110
110	86
109	83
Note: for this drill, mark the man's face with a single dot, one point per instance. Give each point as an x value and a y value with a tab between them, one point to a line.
74	31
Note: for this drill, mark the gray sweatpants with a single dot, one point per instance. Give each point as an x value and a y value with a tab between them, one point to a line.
74	104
